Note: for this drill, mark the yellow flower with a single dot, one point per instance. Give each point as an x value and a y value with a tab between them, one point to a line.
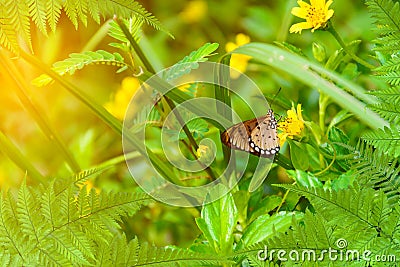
238	61
316	15
202	151
122	97
194	11
205	154
292	125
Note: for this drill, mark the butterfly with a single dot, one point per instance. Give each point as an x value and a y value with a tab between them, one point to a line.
257	136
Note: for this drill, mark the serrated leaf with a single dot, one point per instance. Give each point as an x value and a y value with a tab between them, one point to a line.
305	179
217	222
189	62
77	61
267	226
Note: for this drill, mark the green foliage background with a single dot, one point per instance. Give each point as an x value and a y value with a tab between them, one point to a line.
339	180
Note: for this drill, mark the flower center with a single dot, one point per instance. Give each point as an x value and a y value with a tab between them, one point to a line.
316	16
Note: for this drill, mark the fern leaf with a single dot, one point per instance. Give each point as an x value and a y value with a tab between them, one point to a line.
81	8
388	110
50	207
311	232
348	208
392	64
390	95
70	9
128	9
81	177
355	214
387	140
10	238
53	13
133	25
37	11
8	35
26	208
18	13
190	62
15	16
77	61
152	256
392	78
377	169
385	13
65	247
94	10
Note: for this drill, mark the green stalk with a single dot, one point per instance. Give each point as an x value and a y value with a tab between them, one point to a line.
8	148
323	103
95	40
169	102
118	160
34	110
102	113
331	29
223	96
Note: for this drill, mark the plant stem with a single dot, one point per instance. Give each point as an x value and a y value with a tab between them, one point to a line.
9	149
34	110
103	114
323	101
169	102
330	28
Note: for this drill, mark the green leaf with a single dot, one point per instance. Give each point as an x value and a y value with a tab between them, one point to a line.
305	179
77	61
267	226
37	11
133	25
340	56
265	205
339	118
387	110
344	181
217	222
317	76
190	62
298	155
375	168
387	139
196	126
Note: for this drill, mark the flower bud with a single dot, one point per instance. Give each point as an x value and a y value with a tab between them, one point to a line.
318	52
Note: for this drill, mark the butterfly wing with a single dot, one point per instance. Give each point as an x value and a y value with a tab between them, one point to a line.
257	136
264	138
237	136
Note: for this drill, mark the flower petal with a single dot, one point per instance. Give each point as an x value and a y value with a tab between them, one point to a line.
242	39
303	4
299	112
230	46
328	4
299	12
329	14
298	27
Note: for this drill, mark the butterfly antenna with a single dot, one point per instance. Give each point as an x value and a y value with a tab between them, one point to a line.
273	99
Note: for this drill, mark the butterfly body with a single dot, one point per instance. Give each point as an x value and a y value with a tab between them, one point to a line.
257	136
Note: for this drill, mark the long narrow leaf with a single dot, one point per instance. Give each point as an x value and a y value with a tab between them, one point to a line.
312	74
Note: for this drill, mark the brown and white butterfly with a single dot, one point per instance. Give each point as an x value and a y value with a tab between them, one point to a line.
257	136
